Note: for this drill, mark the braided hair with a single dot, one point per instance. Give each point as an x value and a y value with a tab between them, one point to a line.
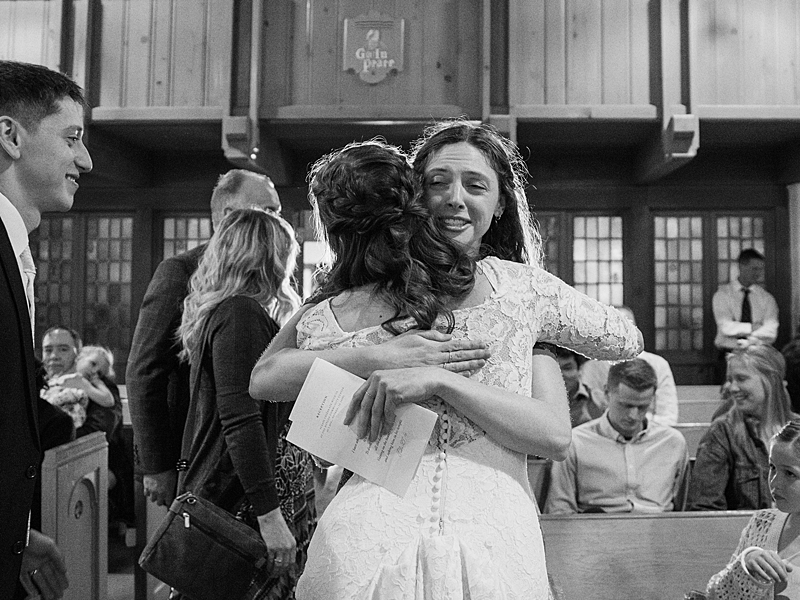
368	208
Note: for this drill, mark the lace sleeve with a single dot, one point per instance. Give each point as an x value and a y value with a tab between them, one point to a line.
574	320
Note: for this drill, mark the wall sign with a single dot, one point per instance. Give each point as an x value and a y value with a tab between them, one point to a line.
373	46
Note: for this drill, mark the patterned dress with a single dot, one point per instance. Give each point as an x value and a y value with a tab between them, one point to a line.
467	527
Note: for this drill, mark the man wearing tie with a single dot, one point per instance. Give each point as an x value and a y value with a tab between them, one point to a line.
41	159
744	311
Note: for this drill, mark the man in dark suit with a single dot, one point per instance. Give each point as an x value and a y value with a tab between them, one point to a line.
41	159
157	382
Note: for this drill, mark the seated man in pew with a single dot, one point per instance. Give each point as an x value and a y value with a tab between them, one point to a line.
583	406
621	461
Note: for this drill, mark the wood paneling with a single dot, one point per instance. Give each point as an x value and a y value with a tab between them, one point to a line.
744	55
171	53
303	60
583	53
31	31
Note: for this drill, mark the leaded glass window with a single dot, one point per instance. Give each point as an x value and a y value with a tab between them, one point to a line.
109	258
52	248
678	276
597	257
184	233
734	234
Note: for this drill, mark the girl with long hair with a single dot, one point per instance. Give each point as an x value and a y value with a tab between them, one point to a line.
766	562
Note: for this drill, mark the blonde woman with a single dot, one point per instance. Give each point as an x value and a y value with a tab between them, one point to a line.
234	448
732	465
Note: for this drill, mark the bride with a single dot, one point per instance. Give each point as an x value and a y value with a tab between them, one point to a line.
467	527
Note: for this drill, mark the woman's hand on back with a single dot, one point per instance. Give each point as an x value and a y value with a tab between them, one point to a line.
431	348
373	406
279	540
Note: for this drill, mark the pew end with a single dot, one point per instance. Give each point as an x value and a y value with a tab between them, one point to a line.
75	512
647	557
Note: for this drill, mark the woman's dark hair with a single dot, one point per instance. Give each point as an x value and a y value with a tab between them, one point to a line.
368	208
514	236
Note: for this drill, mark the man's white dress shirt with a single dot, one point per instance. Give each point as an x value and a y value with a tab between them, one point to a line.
727	305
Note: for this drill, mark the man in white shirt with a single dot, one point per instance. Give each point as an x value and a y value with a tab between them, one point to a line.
41	159
594	374
744	311
621	461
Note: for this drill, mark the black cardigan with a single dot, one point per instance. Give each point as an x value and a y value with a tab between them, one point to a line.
231	438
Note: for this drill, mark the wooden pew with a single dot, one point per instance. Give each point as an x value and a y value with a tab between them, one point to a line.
697	403
646	557
75	512
693	433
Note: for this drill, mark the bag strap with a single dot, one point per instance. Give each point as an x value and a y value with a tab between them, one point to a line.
188	428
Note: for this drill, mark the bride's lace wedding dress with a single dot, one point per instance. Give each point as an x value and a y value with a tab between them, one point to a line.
467	528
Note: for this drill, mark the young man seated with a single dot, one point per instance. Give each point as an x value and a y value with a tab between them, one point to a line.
583	406
621	462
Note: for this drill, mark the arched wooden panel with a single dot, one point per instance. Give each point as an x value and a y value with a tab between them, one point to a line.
303	60
30	31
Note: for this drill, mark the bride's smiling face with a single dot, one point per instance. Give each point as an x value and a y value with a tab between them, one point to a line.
463	193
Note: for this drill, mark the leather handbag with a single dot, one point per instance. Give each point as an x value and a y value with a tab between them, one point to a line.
205	553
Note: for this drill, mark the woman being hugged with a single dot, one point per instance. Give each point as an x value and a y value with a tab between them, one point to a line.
467	527
234	448
732	464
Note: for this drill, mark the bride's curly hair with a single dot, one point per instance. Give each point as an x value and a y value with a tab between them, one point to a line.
253	254
368	208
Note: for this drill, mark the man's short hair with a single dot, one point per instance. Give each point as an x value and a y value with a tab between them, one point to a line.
748	254
560	352
229	185
76	338
29	93
637	374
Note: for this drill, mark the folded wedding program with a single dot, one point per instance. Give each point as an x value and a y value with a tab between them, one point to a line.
318	427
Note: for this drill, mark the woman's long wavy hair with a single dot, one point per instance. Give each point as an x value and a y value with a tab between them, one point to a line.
253	254
369	210
515	235
771	367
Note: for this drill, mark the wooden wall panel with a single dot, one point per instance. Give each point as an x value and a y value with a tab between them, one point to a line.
744	53
139	70
112	65
584	53
166	53
31	31
579	52
278	54
442	60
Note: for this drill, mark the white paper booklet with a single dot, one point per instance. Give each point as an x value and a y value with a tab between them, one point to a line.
318	427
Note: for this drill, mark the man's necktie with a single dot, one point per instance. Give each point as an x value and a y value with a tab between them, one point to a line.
29	268
747	310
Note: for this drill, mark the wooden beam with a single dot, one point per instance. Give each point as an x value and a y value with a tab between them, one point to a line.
669	149
241	146
790	170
